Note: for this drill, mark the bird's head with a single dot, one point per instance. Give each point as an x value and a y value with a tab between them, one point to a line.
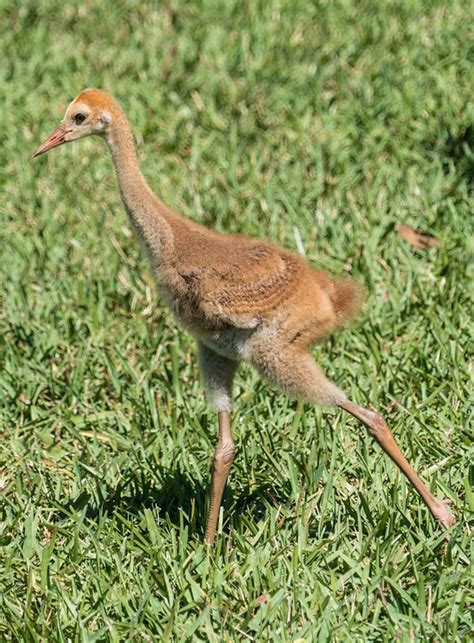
91	112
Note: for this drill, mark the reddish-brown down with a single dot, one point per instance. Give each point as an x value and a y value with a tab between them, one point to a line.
243	299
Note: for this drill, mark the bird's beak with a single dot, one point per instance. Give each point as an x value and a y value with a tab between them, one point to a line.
58	137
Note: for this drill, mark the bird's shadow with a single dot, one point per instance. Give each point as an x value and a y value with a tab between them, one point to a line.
177	499
173	495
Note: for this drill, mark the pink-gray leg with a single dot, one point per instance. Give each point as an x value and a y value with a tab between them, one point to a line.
223	458
381	433
218	373
297	373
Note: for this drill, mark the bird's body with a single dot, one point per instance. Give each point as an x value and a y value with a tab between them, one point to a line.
235	292
243	299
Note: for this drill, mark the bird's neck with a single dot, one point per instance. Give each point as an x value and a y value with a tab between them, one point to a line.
152	219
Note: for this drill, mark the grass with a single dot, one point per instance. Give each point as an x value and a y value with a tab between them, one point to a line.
320	125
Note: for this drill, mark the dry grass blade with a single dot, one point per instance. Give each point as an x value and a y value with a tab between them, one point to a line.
415	237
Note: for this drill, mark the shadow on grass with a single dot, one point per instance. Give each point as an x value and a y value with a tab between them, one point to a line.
180	501
174	495
459	149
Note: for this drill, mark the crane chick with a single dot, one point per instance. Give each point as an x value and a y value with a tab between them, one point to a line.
243	299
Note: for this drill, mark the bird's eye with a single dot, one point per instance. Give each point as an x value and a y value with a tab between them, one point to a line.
79	118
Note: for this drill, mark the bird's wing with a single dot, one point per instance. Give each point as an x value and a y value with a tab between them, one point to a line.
251	281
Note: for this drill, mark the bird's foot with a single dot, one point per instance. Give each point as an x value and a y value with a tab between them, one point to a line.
442	514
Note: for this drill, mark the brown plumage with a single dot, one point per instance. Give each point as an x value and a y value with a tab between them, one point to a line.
243	299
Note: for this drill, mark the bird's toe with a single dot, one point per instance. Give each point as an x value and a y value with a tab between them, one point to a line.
442	513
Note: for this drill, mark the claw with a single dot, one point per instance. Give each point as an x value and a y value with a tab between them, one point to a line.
442	514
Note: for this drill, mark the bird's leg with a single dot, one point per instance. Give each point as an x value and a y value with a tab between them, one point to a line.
381	433
296	372
223	459
218	373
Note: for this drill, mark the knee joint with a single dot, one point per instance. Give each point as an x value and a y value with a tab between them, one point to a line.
378	427
225	454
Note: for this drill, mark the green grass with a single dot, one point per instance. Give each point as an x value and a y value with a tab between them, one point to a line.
320	125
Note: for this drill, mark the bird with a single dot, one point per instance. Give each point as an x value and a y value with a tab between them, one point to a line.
243	299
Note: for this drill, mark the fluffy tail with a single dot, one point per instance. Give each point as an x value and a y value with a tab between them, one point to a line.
347	297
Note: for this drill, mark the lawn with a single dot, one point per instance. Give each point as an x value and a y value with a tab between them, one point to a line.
320	125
